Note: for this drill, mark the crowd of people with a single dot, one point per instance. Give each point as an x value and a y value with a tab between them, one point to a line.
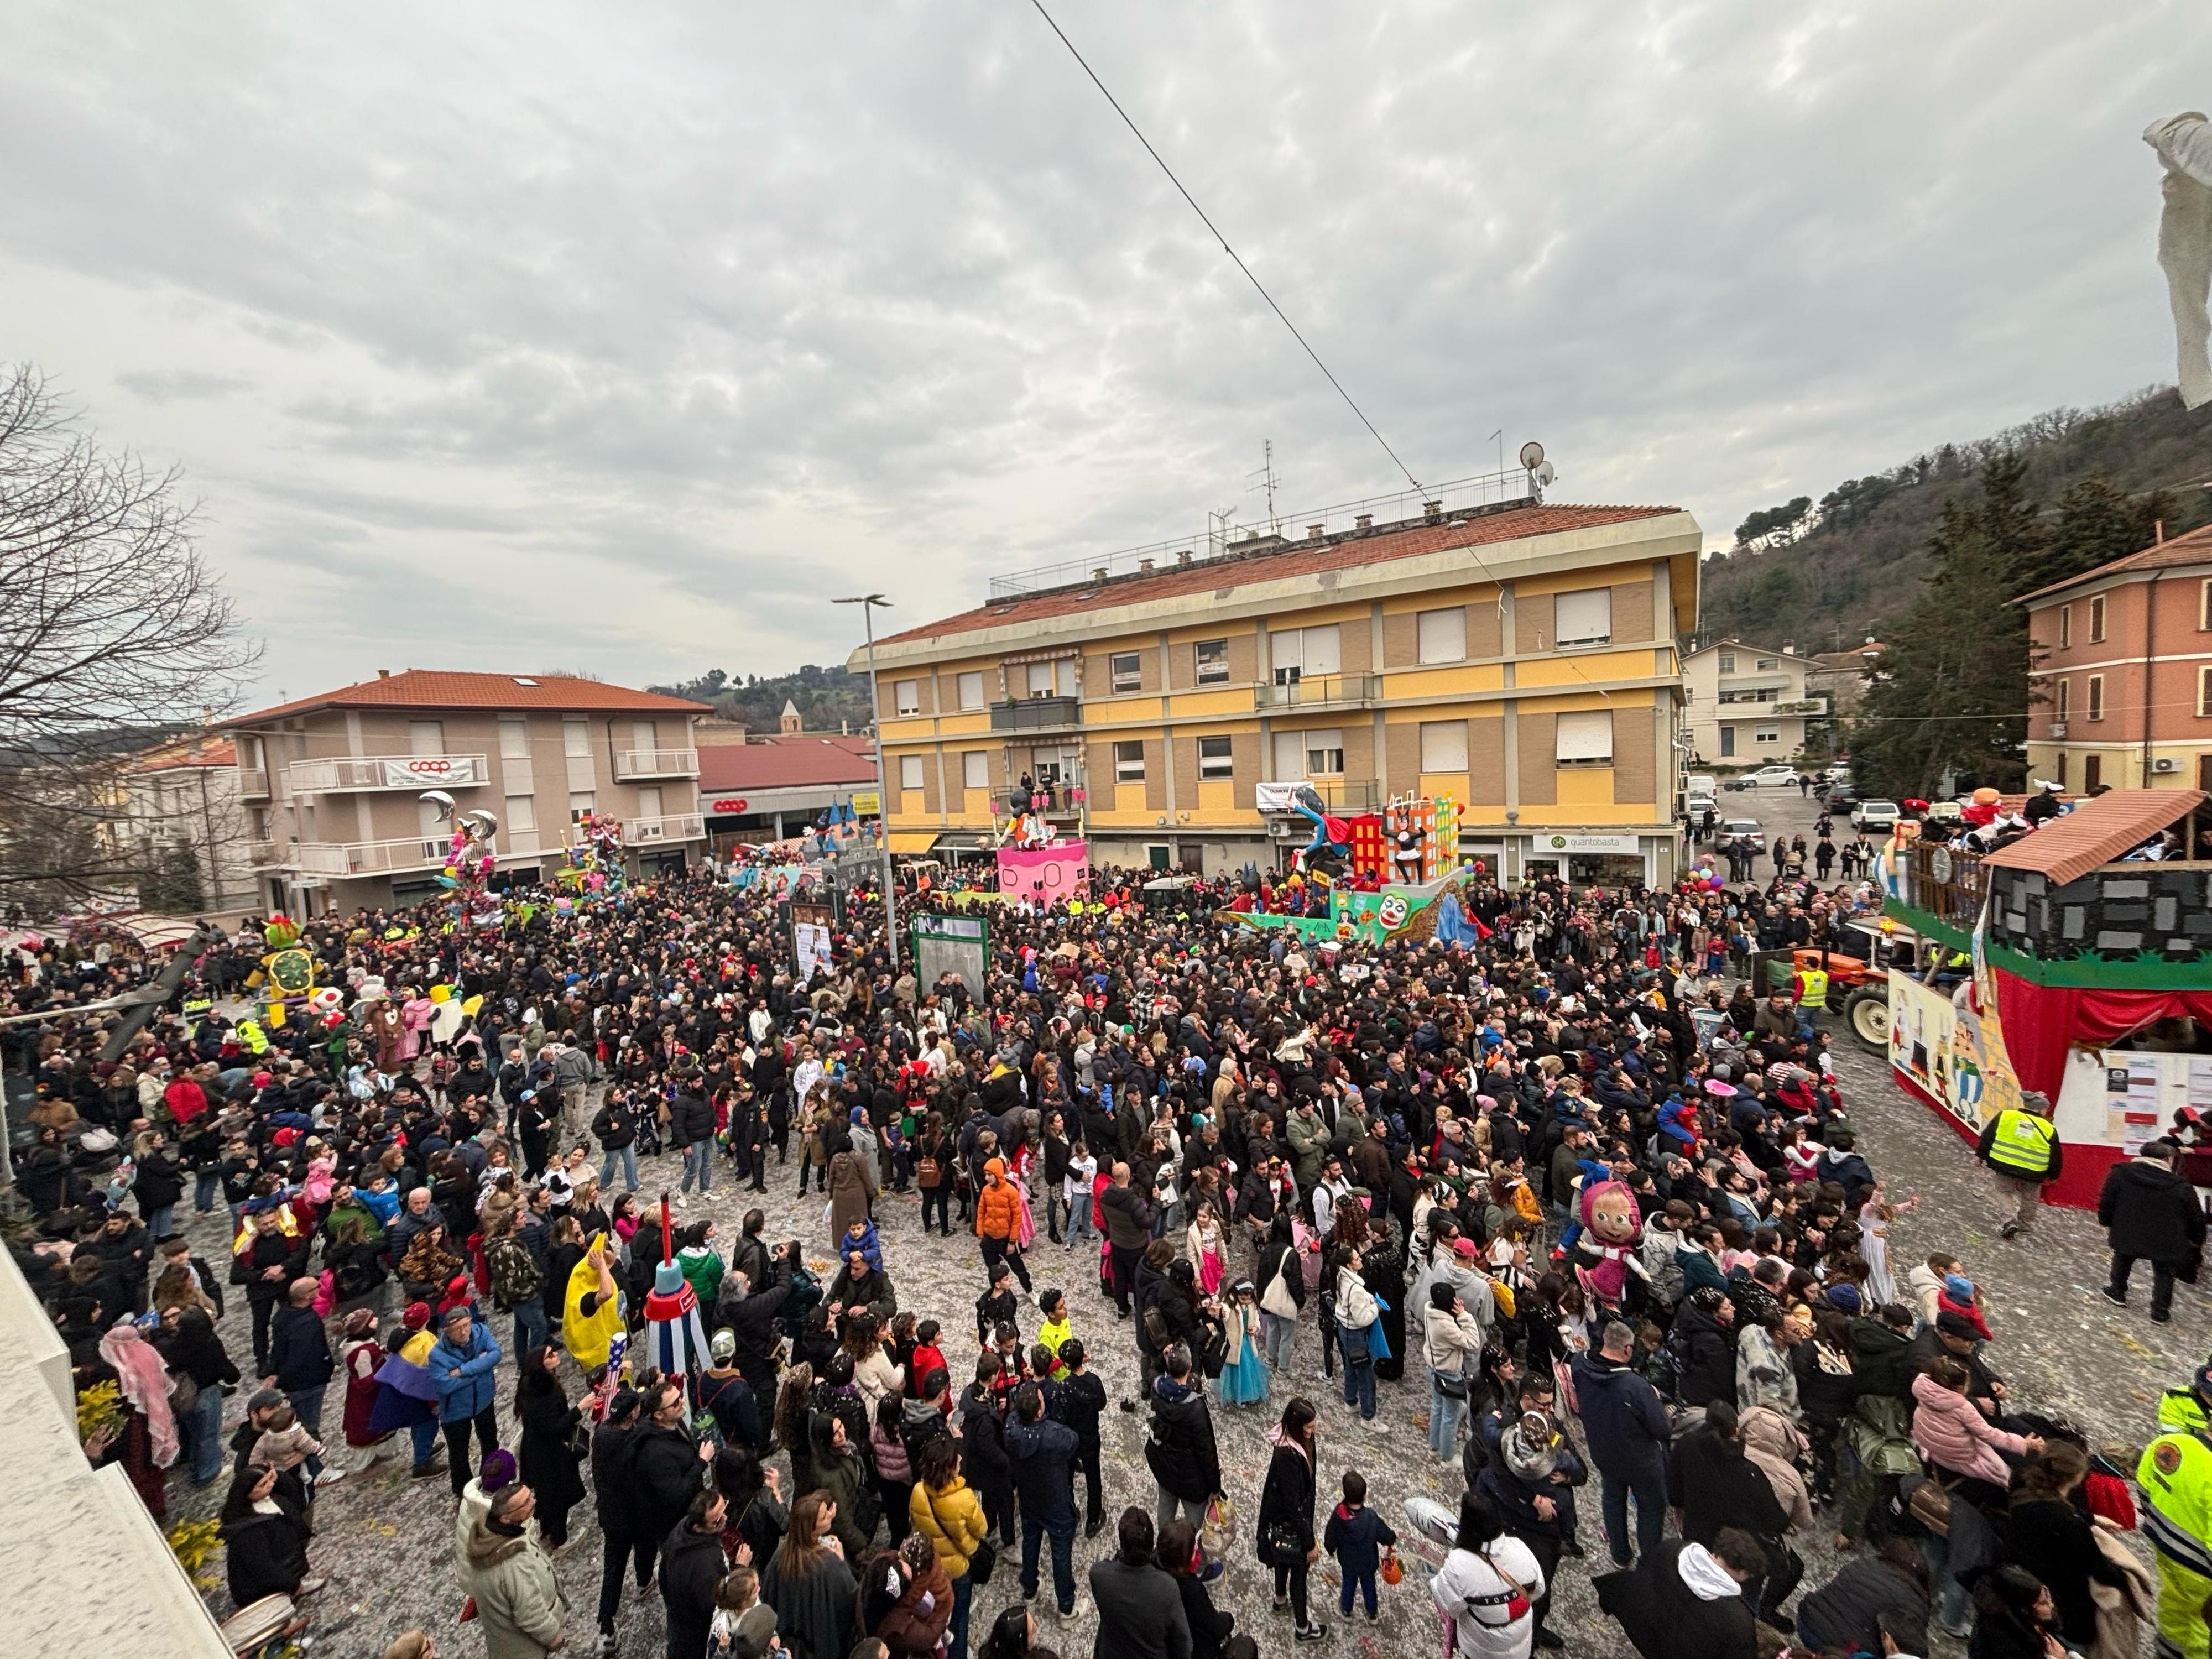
1573	1203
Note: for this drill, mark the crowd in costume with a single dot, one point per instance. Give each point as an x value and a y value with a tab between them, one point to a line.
1568	1207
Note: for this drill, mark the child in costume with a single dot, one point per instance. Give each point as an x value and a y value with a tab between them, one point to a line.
1245	1374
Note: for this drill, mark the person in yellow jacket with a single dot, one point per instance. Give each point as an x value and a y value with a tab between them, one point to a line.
947	1512
2176	1478
2021	1148
590	1308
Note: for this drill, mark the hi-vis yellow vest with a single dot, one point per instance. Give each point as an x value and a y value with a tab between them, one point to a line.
2176	1478
2021	1145
1814	993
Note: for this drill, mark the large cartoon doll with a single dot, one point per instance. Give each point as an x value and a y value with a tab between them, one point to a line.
1608	1251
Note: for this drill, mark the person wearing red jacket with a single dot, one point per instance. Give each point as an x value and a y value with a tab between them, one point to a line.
185	1098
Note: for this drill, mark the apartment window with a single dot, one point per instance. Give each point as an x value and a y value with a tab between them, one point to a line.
1050	679
2058	775
910	772
581	801
2093	772
1300	755
1215	761
1728	662
522	814
1584	740
2097	620
1211	664
1129	762
576	738
975	770
906	696
2096	697
2065	698
1443	745
1127	670
2204	606
426	737
1768	665
1767	734
1582	619
2203	692
2066	625
971	690
1298	653
1442	634
649	801
514	738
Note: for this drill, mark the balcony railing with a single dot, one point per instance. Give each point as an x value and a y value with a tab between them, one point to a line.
1319	691
1345	794
1037	714
1061	809
252	783
674	826
1810	707
367	858
264	853
336	774
1946	883
656	763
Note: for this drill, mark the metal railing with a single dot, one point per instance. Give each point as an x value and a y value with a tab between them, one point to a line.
671	826
1319	691
1060	807
1812	707
1037	714
366	857
656	763
1438	504
1347	794
342	774
1954	896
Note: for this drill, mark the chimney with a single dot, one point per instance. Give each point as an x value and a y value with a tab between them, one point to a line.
1433	512
1144	566
1098	575
1364	521
1183	557
1313	533
2158	534
384	673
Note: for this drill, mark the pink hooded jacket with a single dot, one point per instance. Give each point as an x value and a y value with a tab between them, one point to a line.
1951	1433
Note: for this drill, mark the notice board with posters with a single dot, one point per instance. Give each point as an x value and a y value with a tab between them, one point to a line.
813	925
951	945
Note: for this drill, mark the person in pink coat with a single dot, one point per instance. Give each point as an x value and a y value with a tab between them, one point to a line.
415	1014
1951	1433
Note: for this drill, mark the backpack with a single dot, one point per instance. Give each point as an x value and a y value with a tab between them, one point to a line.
515	1277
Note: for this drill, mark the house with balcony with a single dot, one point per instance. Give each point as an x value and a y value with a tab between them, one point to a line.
2122	685
1749	705
331	784
179	802
1517	656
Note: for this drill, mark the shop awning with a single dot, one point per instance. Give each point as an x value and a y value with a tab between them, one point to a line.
913	841
2098	831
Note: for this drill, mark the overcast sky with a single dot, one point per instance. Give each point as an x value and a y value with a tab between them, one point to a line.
622	338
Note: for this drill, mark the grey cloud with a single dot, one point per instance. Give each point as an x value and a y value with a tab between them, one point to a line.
682	283
168	385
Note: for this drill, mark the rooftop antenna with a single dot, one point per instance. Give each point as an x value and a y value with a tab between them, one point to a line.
1267	482
1218	520
1500	435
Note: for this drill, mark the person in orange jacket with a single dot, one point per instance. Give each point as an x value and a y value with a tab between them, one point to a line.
999	1222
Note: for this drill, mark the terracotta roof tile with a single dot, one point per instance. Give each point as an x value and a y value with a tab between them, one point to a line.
2096	832
438	688
727	769
1298	559
2195	547
195	751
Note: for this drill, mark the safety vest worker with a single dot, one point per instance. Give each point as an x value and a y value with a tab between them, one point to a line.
2181	1410
2176	1477
2021	1144
1812	987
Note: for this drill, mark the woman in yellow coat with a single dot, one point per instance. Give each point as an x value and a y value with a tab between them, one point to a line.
591	1310
946	1512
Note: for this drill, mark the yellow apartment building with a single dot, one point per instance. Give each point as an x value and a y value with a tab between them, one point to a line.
1519	657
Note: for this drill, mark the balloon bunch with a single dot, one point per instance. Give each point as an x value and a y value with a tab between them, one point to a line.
469	859
595	862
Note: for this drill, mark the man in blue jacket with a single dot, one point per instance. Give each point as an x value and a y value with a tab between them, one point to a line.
1625	1426
1043	1453
300	1363
461	1362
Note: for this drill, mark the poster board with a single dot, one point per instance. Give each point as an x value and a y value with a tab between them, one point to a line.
955	945
1047	874
812	927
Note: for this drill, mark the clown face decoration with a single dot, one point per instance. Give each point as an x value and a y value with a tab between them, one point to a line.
1391	913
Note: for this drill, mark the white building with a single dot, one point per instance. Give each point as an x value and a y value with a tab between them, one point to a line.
1748	703
183	798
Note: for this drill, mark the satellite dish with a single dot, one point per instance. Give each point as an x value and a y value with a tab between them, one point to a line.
1544	472
1532	454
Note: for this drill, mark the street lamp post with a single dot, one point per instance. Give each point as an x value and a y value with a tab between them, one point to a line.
868	604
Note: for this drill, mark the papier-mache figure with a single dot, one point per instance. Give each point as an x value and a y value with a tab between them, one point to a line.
1608	1250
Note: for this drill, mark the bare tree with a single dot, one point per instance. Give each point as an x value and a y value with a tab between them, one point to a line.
112	632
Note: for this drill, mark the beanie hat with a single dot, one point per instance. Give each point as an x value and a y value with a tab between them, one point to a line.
417	1316
1961	1287
498	1469
1844	1297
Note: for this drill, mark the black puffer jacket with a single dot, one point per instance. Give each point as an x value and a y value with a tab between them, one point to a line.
1707	1354
2151	1211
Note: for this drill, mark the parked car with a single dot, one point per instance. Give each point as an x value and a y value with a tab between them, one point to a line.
1749	828
1768	776
1945	812
1696	807
1869	817
1700	783
1840	797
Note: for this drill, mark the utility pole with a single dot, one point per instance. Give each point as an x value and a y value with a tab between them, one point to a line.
868	603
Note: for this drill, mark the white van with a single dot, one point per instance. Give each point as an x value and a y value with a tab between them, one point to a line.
1700	783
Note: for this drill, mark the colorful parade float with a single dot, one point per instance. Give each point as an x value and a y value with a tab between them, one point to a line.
1376	878
2084	971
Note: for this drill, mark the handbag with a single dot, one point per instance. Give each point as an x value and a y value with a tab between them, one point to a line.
1452	1385
1219	1531
1930	1505
579	1441
982	1562
1276	1300
184	1394
1394	1569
